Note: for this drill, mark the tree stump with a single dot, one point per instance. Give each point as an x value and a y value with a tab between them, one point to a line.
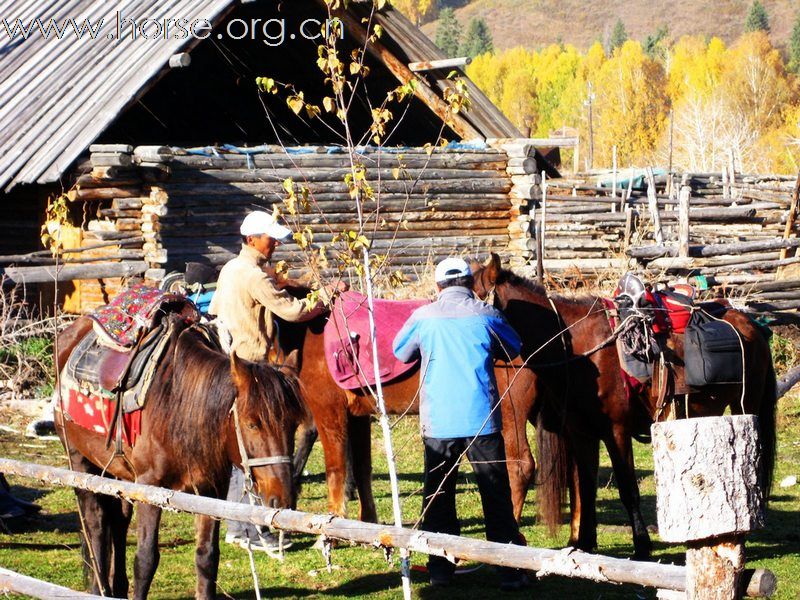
706	473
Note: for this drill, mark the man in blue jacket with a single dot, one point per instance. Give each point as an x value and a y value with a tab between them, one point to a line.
458	337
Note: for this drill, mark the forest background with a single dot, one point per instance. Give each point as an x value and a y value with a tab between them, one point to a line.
734	88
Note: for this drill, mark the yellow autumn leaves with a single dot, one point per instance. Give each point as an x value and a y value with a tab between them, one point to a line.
738	99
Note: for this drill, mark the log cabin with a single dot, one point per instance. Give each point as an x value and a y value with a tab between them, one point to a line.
162	142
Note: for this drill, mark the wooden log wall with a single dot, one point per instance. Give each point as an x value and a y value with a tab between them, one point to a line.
742	235
430	206
120	193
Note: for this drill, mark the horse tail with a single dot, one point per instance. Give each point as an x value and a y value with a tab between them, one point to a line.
767	416
554	461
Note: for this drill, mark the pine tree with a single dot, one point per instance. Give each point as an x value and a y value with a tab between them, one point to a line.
619	35
448	32
478	39
794	47
654	43
757	19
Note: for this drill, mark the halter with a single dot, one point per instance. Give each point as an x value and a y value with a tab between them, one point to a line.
248	464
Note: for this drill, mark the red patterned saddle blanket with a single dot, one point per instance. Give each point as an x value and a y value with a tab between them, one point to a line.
137	309
348	344
85	400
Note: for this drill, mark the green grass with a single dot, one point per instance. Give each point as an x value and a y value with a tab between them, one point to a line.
47	547
30	363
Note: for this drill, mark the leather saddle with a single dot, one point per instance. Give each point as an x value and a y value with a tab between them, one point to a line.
121	371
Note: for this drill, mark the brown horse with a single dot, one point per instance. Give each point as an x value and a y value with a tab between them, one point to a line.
188	442
576	388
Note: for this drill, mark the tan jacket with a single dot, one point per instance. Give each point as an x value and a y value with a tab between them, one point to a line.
245	300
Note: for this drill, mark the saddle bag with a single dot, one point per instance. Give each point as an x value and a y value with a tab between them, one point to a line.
712	351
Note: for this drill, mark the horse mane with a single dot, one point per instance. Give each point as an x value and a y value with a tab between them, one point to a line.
194	394
506	276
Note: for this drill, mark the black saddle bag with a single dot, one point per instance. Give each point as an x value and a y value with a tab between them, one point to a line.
712	351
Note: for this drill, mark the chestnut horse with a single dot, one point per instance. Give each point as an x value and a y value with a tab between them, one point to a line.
573	372
188	442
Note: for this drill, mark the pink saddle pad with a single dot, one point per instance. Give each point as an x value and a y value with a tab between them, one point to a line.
348	345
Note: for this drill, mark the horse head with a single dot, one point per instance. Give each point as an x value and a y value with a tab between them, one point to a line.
265	412
485	276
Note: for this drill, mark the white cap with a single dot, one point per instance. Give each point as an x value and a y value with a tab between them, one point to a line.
451	268
260	222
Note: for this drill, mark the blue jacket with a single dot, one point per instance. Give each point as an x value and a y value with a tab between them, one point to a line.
457	337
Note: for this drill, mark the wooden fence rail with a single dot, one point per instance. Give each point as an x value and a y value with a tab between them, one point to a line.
11	581
567	562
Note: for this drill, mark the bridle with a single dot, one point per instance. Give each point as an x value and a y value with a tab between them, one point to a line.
248	464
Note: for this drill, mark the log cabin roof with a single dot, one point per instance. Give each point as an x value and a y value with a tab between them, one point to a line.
57	96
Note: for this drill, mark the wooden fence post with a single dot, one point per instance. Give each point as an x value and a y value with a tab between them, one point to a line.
683	221
652	204
791	216
706	472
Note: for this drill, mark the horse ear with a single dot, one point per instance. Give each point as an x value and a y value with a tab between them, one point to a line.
493	267
239	372
293	360
474	265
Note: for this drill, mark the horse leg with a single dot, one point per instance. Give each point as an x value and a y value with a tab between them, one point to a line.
586	462
206	558
621	452
519	460
333	435
308	436
147	553
350	486
96	529
95	541
361	463
121	514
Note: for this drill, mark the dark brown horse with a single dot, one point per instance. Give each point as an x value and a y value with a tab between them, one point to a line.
188	442
581	399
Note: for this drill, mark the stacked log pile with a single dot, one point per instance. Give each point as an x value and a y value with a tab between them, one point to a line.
452	201
118	200
740	237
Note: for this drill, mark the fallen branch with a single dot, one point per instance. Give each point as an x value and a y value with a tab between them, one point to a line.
788	381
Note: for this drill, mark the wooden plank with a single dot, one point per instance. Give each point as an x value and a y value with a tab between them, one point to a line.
442	63
11	581
684	199
46	274
483	114
402	73
46	155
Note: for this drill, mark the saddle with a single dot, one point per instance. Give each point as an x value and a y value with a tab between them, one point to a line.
128	331
712	349
348	346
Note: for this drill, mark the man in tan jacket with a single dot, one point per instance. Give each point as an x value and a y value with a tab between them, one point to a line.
245	302
247	298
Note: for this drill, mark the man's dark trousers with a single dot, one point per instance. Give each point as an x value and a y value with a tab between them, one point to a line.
488	458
